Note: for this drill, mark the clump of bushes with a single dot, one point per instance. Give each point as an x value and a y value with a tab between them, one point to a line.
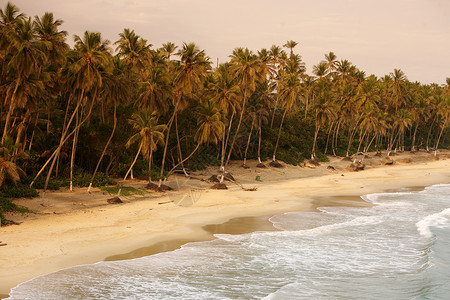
6	205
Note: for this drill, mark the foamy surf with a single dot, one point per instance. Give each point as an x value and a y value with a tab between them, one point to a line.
374	252
438	220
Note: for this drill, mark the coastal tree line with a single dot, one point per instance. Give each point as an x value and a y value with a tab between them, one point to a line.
127	108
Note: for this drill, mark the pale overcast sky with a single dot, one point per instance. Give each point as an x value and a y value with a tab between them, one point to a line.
376	35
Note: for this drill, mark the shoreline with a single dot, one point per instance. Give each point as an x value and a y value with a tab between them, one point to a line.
94	233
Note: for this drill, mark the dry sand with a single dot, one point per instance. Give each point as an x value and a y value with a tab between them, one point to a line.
73	228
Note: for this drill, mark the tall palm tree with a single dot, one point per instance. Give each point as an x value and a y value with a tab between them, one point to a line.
289	91
245	66
149	135
115	90
324	112
24	68
190	74
85	69
134	50
291	45
168	49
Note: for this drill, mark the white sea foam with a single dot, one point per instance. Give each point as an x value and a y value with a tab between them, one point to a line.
435	220
338	253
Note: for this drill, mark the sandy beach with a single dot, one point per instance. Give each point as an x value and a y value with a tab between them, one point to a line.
73	228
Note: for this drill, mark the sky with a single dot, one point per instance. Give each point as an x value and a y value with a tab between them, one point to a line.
377	36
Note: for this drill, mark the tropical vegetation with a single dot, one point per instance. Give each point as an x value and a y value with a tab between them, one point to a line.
129	108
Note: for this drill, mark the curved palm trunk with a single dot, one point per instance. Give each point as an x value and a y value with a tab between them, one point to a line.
189	156
169	126
248	143
438	140
74	148
328	137
10	110
413	144
225	143
316	133
60	146
104	149
279	134
129	170
63	140
180	156
238	127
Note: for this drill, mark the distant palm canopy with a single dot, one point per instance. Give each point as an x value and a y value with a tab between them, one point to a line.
151	110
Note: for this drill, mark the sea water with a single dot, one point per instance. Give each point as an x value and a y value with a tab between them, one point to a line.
399	248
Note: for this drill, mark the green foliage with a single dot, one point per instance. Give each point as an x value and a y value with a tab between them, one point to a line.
322	157
6	205
126	190
18	191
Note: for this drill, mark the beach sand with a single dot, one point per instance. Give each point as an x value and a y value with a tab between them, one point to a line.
73	228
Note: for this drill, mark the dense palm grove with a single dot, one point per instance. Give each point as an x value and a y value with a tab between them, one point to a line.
77	114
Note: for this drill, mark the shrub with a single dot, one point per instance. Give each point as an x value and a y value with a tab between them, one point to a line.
18	191
7	205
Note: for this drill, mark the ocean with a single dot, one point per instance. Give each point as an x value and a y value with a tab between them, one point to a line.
399	248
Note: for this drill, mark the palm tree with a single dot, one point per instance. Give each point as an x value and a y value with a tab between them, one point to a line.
46	28
190	74
324	112
149	135
245	66
291	45
115	89
134	50
8	167
24	68
331	62
289	91
210	128
87	65
168	49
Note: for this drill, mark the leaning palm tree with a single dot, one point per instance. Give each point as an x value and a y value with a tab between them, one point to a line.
190	74
85	70
324	112
116	90
245	66
149	135
24	67
289	91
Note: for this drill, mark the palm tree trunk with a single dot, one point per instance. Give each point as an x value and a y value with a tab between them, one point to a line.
150	157
58	150
316	133
180	156
248	143
74	148
438	140
106	146
189	156
12	104
62	140
328	137
414	138
279	134
225	144
169	126
238	127
129	170
259	141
